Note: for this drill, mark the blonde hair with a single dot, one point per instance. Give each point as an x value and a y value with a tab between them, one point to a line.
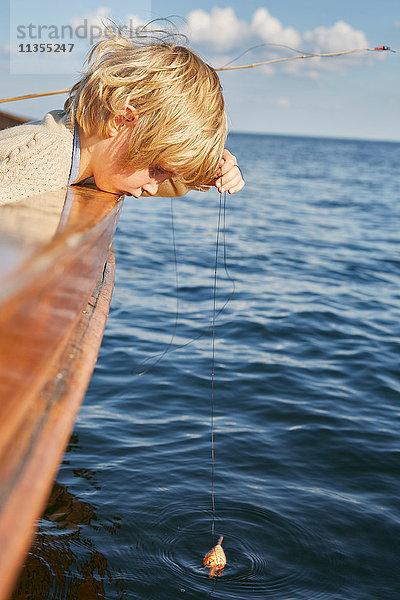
181	120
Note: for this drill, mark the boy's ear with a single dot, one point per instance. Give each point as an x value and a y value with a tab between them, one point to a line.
118	122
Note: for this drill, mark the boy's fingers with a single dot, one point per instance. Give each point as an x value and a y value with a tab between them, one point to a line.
230	183
229	177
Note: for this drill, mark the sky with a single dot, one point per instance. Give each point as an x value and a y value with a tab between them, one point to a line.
355	96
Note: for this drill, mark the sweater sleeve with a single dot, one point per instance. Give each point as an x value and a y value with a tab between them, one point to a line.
172	188
34	158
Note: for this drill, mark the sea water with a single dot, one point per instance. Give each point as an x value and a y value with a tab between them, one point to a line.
306	393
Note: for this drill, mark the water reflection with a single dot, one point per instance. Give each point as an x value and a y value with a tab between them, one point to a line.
62	563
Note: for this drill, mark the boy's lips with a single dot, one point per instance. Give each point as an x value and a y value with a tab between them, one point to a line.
129	194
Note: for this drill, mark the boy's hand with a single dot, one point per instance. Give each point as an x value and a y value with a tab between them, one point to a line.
229	178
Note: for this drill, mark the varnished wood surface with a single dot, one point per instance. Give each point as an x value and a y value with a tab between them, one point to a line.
9	120
51	326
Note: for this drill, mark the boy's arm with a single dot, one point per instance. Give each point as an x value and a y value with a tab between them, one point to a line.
229	179
171	188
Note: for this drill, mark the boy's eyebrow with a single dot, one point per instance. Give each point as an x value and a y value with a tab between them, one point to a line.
167	170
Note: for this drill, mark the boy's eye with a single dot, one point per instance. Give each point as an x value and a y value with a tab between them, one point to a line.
157	171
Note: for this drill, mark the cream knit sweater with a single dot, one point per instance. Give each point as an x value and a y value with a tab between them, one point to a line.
35	157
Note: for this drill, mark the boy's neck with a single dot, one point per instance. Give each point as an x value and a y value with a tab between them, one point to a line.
88	145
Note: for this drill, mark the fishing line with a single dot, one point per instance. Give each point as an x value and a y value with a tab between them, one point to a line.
225	260
168	348
263	46
221	210
213	366
159	356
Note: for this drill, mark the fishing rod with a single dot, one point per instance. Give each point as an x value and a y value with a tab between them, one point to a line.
303	56
237	67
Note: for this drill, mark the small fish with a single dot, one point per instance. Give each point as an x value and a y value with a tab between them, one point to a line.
215	559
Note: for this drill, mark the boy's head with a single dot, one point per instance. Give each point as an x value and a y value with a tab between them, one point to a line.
180	120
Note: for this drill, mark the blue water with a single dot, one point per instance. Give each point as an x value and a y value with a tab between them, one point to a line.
306	399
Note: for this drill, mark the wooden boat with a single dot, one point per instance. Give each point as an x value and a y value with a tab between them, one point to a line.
56	282
7	120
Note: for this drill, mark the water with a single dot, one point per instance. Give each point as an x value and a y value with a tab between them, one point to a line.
307	418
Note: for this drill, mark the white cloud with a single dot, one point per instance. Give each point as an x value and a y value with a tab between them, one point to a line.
335	39
96	19
103	15
92	26
269	29
221	31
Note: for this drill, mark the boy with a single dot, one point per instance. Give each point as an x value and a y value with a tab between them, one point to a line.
146	117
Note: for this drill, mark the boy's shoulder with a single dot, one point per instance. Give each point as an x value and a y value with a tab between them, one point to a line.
55	123
35	157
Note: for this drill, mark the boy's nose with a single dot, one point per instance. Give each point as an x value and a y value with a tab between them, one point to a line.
151	188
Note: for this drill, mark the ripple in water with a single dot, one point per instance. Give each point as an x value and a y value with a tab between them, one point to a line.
268	554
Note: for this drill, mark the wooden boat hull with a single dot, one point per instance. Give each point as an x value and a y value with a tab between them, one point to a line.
41	451
56	282
7	120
